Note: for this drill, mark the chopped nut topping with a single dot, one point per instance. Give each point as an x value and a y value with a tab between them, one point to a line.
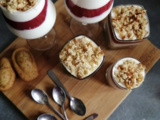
19	5
130	74
81	56
130	22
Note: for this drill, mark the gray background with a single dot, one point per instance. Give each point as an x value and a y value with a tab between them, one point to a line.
142	104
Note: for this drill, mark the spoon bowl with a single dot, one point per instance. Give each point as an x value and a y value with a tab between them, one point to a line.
59	97
39	96
77	105
46	117
42	98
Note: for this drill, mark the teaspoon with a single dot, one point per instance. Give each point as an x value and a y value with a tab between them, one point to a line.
41	97
76	104
59	97
46	117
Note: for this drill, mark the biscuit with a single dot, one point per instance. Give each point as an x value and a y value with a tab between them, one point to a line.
24	64
7	74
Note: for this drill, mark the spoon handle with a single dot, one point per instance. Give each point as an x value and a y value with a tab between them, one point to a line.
59	114
65	115
57	82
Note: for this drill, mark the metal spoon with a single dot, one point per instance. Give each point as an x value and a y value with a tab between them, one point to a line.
41	97
59	97
46	117
76	104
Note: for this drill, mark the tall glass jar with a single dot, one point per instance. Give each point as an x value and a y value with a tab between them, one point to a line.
113	39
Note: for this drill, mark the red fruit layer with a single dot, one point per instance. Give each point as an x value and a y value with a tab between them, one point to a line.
31	24
83	12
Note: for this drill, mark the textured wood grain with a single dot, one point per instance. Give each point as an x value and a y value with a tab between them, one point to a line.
93	91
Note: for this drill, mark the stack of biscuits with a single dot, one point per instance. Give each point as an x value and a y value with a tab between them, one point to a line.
23	64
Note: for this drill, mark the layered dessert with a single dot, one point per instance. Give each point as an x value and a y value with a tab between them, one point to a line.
81	57
89	11
29	19
127	73
127	25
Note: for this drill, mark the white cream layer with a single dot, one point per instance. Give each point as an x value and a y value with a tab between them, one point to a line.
90	4
93	19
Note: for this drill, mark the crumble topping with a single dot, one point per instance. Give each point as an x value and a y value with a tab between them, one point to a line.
19	5
130	74
81	57
130	22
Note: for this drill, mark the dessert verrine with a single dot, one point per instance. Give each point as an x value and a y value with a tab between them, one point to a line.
126	73
89	11
81	57
126	26
29	19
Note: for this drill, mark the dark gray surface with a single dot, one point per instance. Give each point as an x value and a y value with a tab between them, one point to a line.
142	104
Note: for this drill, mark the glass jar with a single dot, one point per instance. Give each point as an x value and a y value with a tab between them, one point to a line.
113	41
112	80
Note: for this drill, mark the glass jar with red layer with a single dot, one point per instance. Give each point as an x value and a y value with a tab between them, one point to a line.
114	41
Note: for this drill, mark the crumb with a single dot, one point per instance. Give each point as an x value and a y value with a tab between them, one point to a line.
130	22
81	56
130	74
19	5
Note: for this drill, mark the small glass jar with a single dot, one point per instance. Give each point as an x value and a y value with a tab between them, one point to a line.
111	78
113	42
75	56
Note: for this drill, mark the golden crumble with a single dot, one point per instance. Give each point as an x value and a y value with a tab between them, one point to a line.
19	5
81	57
130	73
130	22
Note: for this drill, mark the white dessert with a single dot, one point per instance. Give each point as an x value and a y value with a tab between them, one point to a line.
81	57
90	4
129	73
130	22
23	16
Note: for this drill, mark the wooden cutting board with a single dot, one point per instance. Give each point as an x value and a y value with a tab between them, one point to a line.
94	91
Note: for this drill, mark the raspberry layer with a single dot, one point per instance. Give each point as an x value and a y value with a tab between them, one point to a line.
31	24
89	13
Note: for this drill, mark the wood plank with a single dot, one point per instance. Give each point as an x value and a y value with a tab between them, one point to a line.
94	91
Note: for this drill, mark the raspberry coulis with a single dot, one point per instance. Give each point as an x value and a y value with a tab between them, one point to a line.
89	13
31	24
